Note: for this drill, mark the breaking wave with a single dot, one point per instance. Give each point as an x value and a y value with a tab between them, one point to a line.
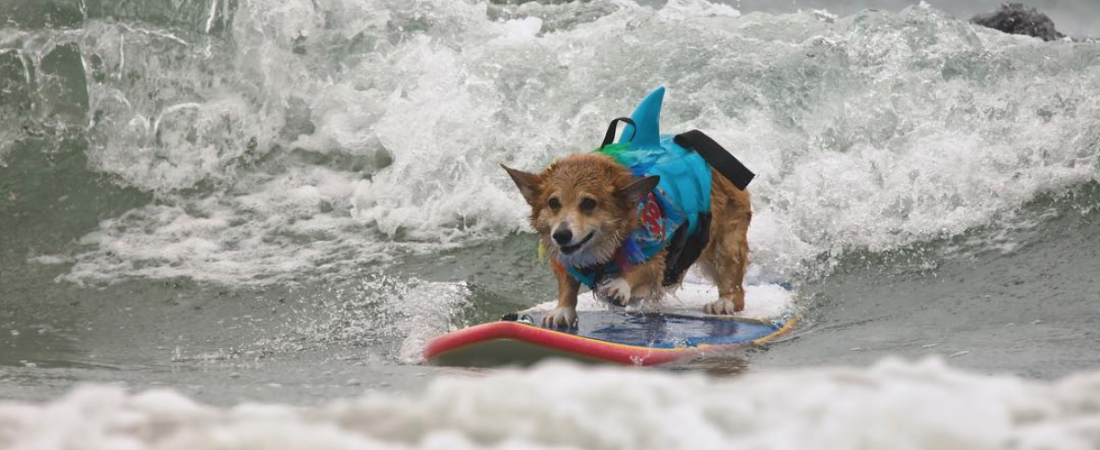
283	139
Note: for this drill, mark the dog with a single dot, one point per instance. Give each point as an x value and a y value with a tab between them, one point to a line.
588	210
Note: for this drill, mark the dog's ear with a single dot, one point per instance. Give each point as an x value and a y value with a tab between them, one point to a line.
639	189
528	183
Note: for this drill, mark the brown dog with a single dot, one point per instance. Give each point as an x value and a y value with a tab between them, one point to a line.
584	206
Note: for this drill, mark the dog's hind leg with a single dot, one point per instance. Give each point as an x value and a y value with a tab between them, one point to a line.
726	258
728	265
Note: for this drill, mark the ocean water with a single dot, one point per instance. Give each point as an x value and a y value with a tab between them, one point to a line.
236	223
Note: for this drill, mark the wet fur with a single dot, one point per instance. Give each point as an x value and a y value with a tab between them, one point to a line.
617	192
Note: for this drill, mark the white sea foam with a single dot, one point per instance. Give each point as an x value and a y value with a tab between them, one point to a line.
312	136
892	404
395	317
762	301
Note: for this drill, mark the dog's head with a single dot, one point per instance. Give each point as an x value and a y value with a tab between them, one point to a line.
583	206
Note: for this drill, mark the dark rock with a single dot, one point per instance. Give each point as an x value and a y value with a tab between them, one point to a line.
1015	18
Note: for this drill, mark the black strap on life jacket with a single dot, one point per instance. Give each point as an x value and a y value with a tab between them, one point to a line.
609	137
684	249
717	157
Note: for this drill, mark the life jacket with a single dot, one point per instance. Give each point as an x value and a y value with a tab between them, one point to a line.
675	216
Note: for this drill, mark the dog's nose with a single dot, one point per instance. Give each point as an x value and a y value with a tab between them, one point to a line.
563	236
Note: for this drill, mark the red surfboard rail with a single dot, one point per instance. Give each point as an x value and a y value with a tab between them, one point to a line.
556	340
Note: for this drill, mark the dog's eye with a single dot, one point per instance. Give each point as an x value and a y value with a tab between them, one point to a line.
588	204
554	203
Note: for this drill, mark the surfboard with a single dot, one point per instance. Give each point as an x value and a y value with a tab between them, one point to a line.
647	334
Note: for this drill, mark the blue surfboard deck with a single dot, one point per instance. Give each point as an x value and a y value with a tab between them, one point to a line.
668	330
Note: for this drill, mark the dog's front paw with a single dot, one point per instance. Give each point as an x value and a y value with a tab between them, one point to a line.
723	307
560	317
616	292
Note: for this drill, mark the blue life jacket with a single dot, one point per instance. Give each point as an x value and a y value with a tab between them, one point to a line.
676	215
673	209
679	203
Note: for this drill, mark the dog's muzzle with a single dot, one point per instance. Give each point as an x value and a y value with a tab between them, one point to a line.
568	249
